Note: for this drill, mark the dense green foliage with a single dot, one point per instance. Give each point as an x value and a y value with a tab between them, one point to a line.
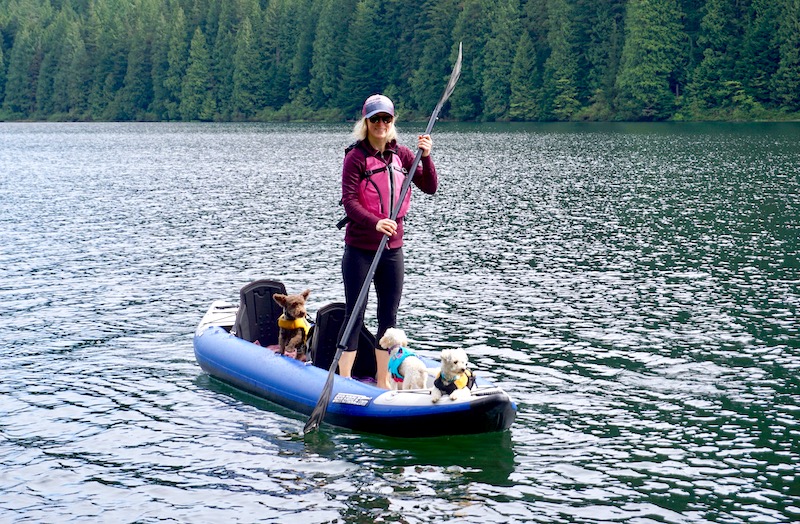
319	59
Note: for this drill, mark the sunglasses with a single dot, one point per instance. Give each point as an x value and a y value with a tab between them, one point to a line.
386	119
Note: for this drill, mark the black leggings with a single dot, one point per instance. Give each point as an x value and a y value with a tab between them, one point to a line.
388	282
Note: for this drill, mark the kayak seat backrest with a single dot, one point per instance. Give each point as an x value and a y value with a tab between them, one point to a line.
328	326
257	318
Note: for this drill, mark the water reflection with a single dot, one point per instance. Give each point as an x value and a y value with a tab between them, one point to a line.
487	458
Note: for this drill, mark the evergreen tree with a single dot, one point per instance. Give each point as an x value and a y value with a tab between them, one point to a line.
2	72
434	65
499	60
366	56
599	39
51	38
246	82
76	77
221	69
23	73
177	58
197	99
403	22
654	39
559	93
760	49
69	79
786	82
106	45
525	77
136	95
472	27
327	58
714	81
307	18
158	73
277	45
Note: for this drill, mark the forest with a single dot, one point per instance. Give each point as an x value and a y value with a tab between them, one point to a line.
317	60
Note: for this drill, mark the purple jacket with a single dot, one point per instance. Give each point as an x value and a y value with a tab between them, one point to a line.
360	230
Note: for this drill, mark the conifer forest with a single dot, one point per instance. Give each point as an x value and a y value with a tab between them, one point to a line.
317	60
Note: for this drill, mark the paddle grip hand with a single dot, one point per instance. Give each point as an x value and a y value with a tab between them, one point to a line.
387	226
425	143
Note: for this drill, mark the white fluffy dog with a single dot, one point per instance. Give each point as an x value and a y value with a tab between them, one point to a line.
406	369
454	378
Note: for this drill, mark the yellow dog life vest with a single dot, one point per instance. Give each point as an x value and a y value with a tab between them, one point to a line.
296	323
464	380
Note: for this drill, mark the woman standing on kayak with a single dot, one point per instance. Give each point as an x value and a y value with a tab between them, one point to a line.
373	172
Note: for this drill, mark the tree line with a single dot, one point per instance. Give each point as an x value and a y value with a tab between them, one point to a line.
524	60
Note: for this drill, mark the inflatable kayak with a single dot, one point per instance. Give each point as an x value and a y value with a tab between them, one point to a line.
236	344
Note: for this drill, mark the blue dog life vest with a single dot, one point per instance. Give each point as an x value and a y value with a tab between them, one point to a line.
396	360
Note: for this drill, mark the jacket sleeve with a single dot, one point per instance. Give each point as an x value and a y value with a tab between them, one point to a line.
425	177
354	165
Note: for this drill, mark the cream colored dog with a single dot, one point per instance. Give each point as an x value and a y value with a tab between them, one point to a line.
405	368
454	378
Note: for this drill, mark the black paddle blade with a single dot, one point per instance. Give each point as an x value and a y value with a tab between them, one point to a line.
448	90
321	408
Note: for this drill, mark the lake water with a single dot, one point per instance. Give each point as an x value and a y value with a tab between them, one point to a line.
635	288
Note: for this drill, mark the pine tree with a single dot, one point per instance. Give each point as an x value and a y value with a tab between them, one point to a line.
403	53
23	73
136	95
786	82
654	40
197	99
308	16
278	43
177	58
599	38
434	65
327	58
77	78
106	45
559	91
714	81
366	53
69	78
499	60
472	27
2	74
525	79
51	38
222	70
760	49
246	81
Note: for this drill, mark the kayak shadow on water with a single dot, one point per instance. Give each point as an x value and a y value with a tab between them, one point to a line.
485	457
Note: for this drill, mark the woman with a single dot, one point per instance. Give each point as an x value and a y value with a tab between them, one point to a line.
374	168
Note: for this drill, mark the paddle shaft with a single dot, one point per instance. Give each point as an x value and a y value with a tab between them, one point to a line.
322	404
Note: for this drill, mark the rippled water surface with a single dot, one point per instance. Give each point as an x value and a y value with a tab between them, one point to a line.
634	287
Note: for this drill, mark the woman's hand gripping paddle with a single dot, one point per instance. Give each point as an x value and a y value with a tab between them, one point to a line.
322	404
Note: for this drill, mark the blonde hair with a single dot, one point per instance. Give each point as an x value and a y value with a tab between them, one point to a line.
360	130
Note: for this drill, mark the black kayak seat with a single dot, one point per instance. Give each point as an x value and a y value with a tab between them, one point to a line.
257	318
325	337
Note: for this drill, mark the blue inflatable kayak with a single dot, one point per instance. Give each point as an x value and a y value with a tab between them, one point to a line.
223	351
